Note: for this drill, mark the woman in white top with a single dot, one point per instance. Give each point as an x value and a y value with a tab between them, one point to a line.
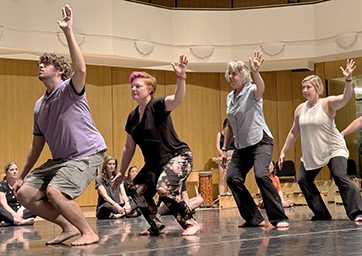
322	144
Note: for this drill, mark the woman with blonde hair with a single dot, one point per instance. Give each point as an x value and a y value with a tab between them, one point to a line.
253	142
322	144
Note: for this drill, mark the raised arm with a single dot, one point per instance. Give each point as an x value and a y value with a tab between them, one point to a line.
78	63
291	137
255	64
172	101
337	102
353	126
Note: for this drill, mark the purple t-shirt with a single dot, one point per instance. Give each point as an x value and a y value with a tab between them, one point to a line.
64	119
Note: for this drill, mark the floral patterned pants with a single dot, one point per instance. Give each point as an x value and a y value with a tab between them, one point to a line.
169	186
168	183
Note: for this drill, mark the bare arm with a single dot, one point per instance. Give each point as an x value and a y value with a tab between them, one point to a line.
33	154
218	136
292	135
255	64
353	126
228	135
103	193
4	204
124	196
78	63
127	154
172	101
337	102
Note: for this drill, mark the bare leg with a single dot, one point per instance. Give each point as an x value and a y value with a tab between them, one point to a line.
195	202
221	181
33	199
72	212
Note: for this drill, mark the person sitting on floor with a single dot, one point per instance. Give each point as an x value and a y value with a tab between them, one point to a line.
11	212
109	204
133	211
277	185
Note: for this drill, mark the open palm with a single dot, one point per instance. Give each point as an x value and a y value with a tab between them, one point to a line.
67	17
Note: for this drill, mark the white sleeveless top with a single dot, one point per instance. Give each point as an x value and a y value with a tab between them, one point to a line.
320	138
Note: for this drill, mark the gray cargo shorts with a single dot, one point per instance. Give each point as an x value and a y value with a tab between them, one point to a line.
71	177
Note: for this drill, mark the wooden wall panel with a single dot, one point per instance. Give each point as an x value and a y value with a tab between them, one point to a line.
19	90
205	4
332	68
252	3
285	110
167	3
270	108
197	119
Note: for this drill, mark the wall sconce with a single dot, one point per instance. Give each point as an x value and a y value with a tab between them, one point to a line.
79	38
144	47
272	49
202	51
346	40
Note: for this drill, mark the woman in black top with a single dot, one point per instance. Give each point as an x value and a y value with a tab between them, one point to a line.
11	212
168	160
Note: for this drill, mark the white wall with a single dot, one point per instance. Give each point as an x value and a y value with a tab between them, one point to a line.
108	28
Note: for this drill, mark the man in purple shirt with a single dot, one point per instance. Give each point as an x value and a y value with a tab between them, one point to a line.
62	119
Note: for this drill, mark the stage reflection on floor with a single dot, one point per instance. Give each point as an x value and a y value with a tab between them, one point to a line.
220	235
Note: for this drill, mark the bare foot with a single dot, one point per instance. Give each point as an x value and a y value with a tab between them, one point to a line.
65	235
192	229
148	232
267	226
282	225
246	225
86	239
358	219
29	221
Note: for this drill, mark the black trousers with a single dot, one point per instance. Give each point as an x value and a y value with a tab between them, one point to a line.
350	195
242	161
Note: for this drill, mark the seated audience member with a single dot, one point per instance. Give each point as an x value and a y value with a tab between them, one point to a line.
133	211
277	185
11	212
193	202
109	204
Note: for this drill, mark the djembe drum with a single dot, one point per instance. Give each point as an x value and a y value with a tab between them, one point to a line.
205	187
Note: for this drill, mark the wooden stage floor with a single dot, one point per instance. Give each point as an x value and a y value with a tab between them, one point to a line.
220	235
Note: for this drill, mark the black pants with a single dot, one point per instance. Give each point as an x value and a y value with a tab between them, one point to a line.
349	193
242	161
8	218
105	210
